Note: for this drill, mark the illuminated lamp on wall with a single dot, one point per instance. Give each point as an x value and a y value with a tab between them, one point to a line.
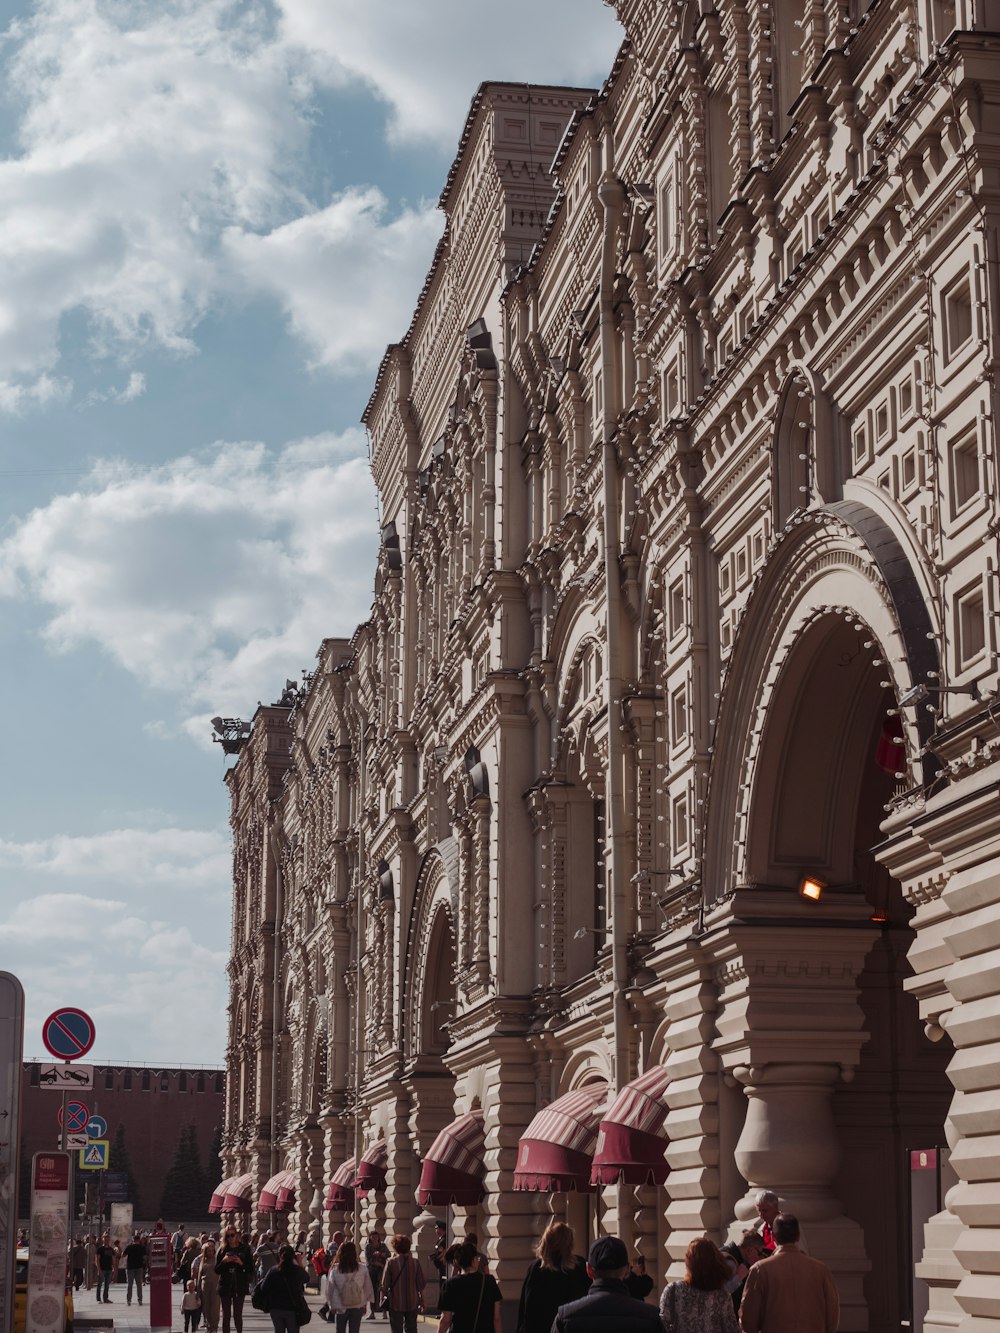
812	888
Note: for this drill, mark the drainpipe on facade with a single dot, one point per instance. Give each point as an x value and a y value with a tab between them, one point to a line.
279	912
612	195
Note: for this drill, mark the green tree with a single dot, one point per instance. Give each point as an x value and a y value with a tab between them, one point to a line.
213	1166
183	1186
118	1160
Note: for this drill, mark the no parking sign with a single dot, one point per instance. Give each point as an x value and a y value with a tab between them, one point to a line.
68	1033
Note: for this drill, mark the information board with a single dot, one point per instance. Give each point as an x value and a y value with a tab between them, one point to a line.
160	1301
48	1237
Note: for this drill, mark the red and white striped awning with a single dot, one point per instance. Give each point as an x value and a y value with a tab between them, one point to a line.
555	1151
215	1204
631	1144
280	1186
372	1167
454	1168
239	1194
340	1191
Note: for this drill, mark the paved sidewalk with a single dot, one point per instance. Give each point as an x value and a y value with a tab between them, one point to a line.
134	1318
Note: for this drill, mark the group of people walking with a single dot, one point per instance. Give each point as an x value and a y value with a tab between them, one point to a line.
765	1282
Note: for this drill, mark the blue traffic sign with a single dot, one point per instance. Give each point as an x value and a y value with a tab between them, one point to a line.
68	1033
97	1127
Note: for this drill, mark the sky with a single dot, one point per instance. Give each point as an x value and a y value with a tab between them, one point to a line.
214	215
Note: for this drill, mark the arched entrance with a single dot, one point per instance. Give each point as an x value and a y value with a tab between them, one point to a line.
432	971
840	1081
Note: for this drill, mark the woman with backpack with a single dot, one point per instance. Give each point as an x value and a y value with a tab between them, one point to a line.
348	1289
283	1291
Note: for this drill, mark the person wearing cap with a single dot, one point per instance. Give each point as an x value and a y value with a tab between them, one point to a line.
789	1290
607	1307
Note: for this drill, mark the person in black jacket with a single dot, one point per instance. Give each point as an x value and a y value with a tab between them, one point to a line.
557	1277
234	1265
284	1288
607	1307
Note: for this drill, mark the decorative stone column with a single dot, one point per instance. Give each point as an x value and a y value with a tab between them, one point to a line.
790	1145
790	1027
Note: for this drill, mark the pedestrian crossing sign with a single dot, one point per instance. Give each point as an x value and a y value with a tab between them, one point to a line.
95	1156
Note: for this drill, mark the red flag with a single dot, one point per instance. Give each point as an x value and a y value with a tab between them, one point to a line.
890	753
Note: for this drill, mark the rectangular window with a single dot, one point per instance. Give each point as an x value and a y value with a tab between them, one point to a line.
200	1084
147	1080
957	317
164	1082
971	628
109	1079
666	219
908	470
672	389
127	1080
964	469
860	447
678	715
680	823
677	617
33	1076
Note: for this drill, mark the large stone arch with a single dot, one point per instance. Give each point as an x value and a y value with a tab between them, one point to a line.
843	561
829	1052
435	914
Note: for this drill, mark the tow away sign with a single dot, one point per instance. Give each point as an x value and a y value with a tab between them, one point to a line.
72	1078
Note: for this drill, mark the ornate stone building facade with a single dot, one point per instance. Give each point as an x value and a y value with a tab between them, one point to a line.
686	603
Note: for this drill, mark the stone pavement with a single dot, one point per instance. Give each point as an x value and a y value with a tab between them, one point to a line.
134	1318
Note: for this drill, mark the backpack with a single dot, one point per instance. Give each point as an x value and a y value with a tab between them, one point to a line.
352	1291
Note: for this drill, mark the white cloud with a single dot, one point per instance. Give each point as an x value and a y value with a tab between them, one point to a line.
147	133
130	391
346	277
144	130
212	577
426	60
140	969
166	856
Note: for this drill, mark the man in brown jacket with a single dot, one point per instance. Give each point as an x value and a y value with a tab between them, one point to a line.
789	1290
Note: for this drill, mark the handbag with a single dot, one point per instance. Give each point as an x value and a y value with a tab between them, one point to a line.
300	1305
257	1298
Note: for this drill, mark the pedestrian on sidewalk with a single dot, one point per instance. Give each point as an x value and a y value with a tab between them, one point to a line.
266	1253
284	1291
557	1277
607	1306
376	1258
78	1262
191	1305
789	1290
438	1257
700	1303
105	1267
403	1285
348	1289
135	1266
471	1301
234	1265
207	1284
740	1256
